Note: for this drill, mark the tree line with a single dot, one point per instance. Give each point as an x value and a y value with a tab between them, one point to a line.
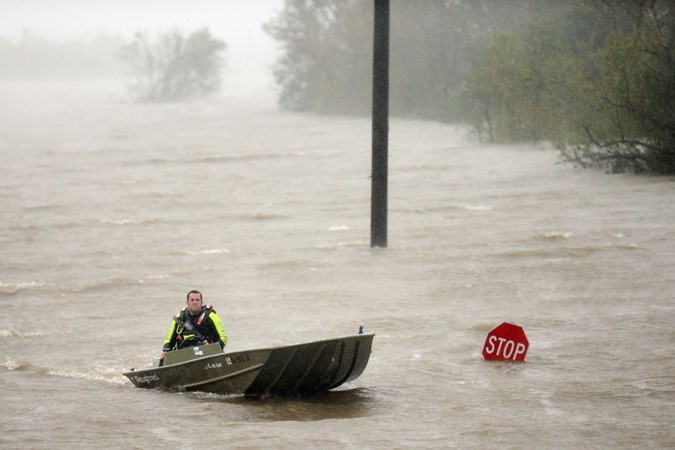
594	77
173	66
167	66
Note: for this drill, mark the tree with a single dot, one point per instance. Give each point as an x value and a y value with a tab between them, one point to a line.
597	80
594	77
326	65
631	125
327	46
174	67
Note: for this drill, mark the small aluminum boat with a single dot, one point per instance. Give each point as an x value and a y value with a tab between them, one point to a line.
291	370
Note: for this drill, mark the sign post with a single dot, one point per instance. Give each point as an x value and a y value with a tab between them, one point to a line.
378	203
507	342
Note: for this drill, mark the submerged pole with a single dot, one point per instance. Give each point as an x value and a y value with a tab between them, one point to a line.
378	201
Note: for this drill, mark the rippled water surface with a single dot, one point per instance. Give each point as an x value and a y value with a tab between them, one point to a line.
111	211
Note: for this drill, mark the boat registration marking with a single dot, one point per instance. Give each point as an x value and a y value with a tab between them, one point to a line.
237	359
146	379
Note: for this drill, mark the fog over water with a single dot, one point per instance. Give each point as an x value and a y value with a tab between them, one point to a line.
112	211
249	55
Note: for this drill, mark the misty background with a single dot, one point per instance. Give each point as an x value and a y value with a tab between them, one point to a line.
593	78
112	209
78	40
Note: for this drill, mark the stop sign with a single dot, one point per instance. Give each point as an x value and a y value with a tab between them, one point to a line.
507	342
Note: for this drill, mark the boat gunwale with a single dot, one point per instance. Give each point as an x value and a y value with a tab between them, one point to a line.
268	349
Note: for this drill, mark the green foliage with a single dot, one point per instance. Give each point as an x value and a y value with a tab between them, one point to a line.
327	62
597	81
634	129
595	77
174	67
500	93
326	47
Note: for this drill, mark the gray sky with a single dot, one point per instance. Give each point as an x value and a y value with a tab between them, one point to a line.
65	19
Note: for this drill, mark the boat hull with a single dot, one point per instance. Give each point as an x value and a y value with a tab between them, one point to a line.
292	370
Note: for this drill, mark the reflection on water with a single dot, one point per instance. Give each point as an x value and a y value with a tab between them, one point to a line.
338	404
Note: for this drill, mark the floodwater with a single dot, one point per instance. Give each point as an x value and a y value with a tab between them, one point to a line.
112	211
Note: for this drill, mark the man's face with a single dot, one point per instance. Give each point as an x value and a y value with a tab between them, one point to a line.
194	303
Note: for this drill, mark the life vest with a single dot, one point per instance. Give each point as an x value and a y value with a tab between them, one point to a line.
187	334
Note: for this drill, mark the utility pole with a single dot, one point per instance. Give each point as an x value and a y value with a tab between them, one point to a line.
379	176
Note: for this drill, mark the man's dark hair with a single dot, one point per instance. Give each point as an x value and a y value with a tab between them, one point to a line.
194	291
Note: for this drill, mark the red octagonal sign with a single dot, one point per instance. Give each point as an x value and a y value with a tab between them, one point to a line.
507	342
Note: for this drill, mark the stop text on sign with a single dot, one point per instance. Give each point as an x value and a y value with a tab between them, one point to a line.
507	342
504	347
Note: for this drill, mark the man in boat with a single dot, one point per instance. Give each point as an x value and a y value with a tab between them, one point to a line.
196	324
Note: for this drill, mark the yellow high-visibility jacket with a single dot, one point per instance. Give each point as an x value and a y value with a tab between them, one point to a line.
187	330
